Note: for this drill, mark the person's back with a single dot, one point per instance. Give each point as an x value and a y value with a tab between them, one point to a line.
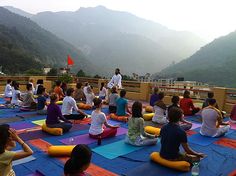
53	114
67	105
154	97
112	99
160	110
28	99
209	119
185	105
97	121
89	96
233	114
8	89
171	138
41	102
79	93
121	106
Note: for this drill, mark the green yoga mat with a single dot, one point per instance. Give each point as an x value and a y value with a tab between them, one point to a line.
115	149
39	122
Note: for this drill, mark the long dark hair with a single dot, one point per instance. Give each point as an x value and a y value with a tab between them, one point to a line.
4	136
102	85
80	157
137	109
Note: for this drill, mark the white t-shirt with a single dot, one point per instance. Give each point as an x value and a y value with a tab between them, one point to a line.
15	100
8	91
68	105
89	98
115	81
97	121
209	119
85	90
33	89
159	116
103	92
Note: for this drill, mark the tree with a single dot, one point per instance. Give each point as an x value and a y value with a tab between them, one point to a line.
34	72
97	76
81	73
66	78
53	72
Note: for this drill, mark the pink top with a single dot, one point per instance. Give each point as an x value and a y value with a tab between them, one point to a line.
233	113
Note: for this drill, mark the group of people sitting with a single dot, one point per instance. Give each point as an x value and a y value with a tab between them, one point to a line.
212	118
171	117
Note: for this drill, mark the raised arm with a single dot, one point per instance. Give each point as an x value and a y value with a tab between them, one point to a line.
27	151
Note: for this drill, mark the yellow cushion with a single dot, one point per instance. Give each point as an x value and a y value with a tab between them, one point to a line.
148	116
53	131
119	118
59	102
63	150
149	109
177	165
35	96
152	130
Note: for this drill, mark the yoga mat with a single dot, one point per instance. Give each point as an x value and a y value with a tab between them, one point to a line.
21	125
23	160
116	149
233	126
190	132
85	139
226	142
201	140
36	173
94	170
40	144
39	122
233	173
154	169
34	135
112	122
195	125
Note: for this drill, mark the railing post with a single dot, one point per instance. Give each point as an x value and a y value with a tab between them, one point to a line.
220	96
145	91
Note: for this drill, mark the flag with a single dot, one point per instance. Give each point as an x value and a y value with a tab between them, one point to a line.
69	60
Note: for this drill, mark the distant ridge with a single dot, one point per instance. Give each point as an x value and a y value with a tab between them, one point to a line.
214	63
119	39
39	46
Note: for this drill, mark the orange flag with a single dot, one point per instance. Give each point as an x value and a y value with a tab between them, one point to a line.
69	60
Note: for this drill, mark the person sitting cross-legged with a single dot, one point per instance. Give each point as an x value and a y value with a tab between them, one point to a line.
212	124
172	136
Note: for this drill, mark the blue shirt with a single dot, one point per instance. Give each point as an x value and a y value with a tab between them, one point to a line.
154	98
41	102
171	138
121	106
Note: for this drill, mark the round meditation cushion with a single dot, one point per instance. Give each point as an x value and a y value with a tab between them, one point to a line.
84	106
149	109
59	102
148	116
53	131
60	150
119	118
152	130
35	96
177	165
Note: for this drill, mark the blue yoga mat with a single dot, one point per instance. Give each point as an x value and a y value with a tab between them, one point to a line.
115	149
153	169
24	160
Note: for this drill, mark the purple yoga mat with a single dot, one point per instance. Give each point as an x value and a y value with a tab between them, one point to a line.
40	134
21	125
85	139
195	125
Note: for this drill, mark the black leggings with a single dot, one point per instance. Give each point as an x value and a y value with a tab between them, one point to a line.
74	116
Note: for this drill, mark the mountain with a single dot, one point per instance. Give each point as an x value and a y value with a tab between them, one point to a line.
113	38
37	44
214	63
18	11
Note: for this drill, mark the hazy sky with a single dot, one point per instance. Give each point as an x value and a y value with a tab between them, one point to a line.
207	18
